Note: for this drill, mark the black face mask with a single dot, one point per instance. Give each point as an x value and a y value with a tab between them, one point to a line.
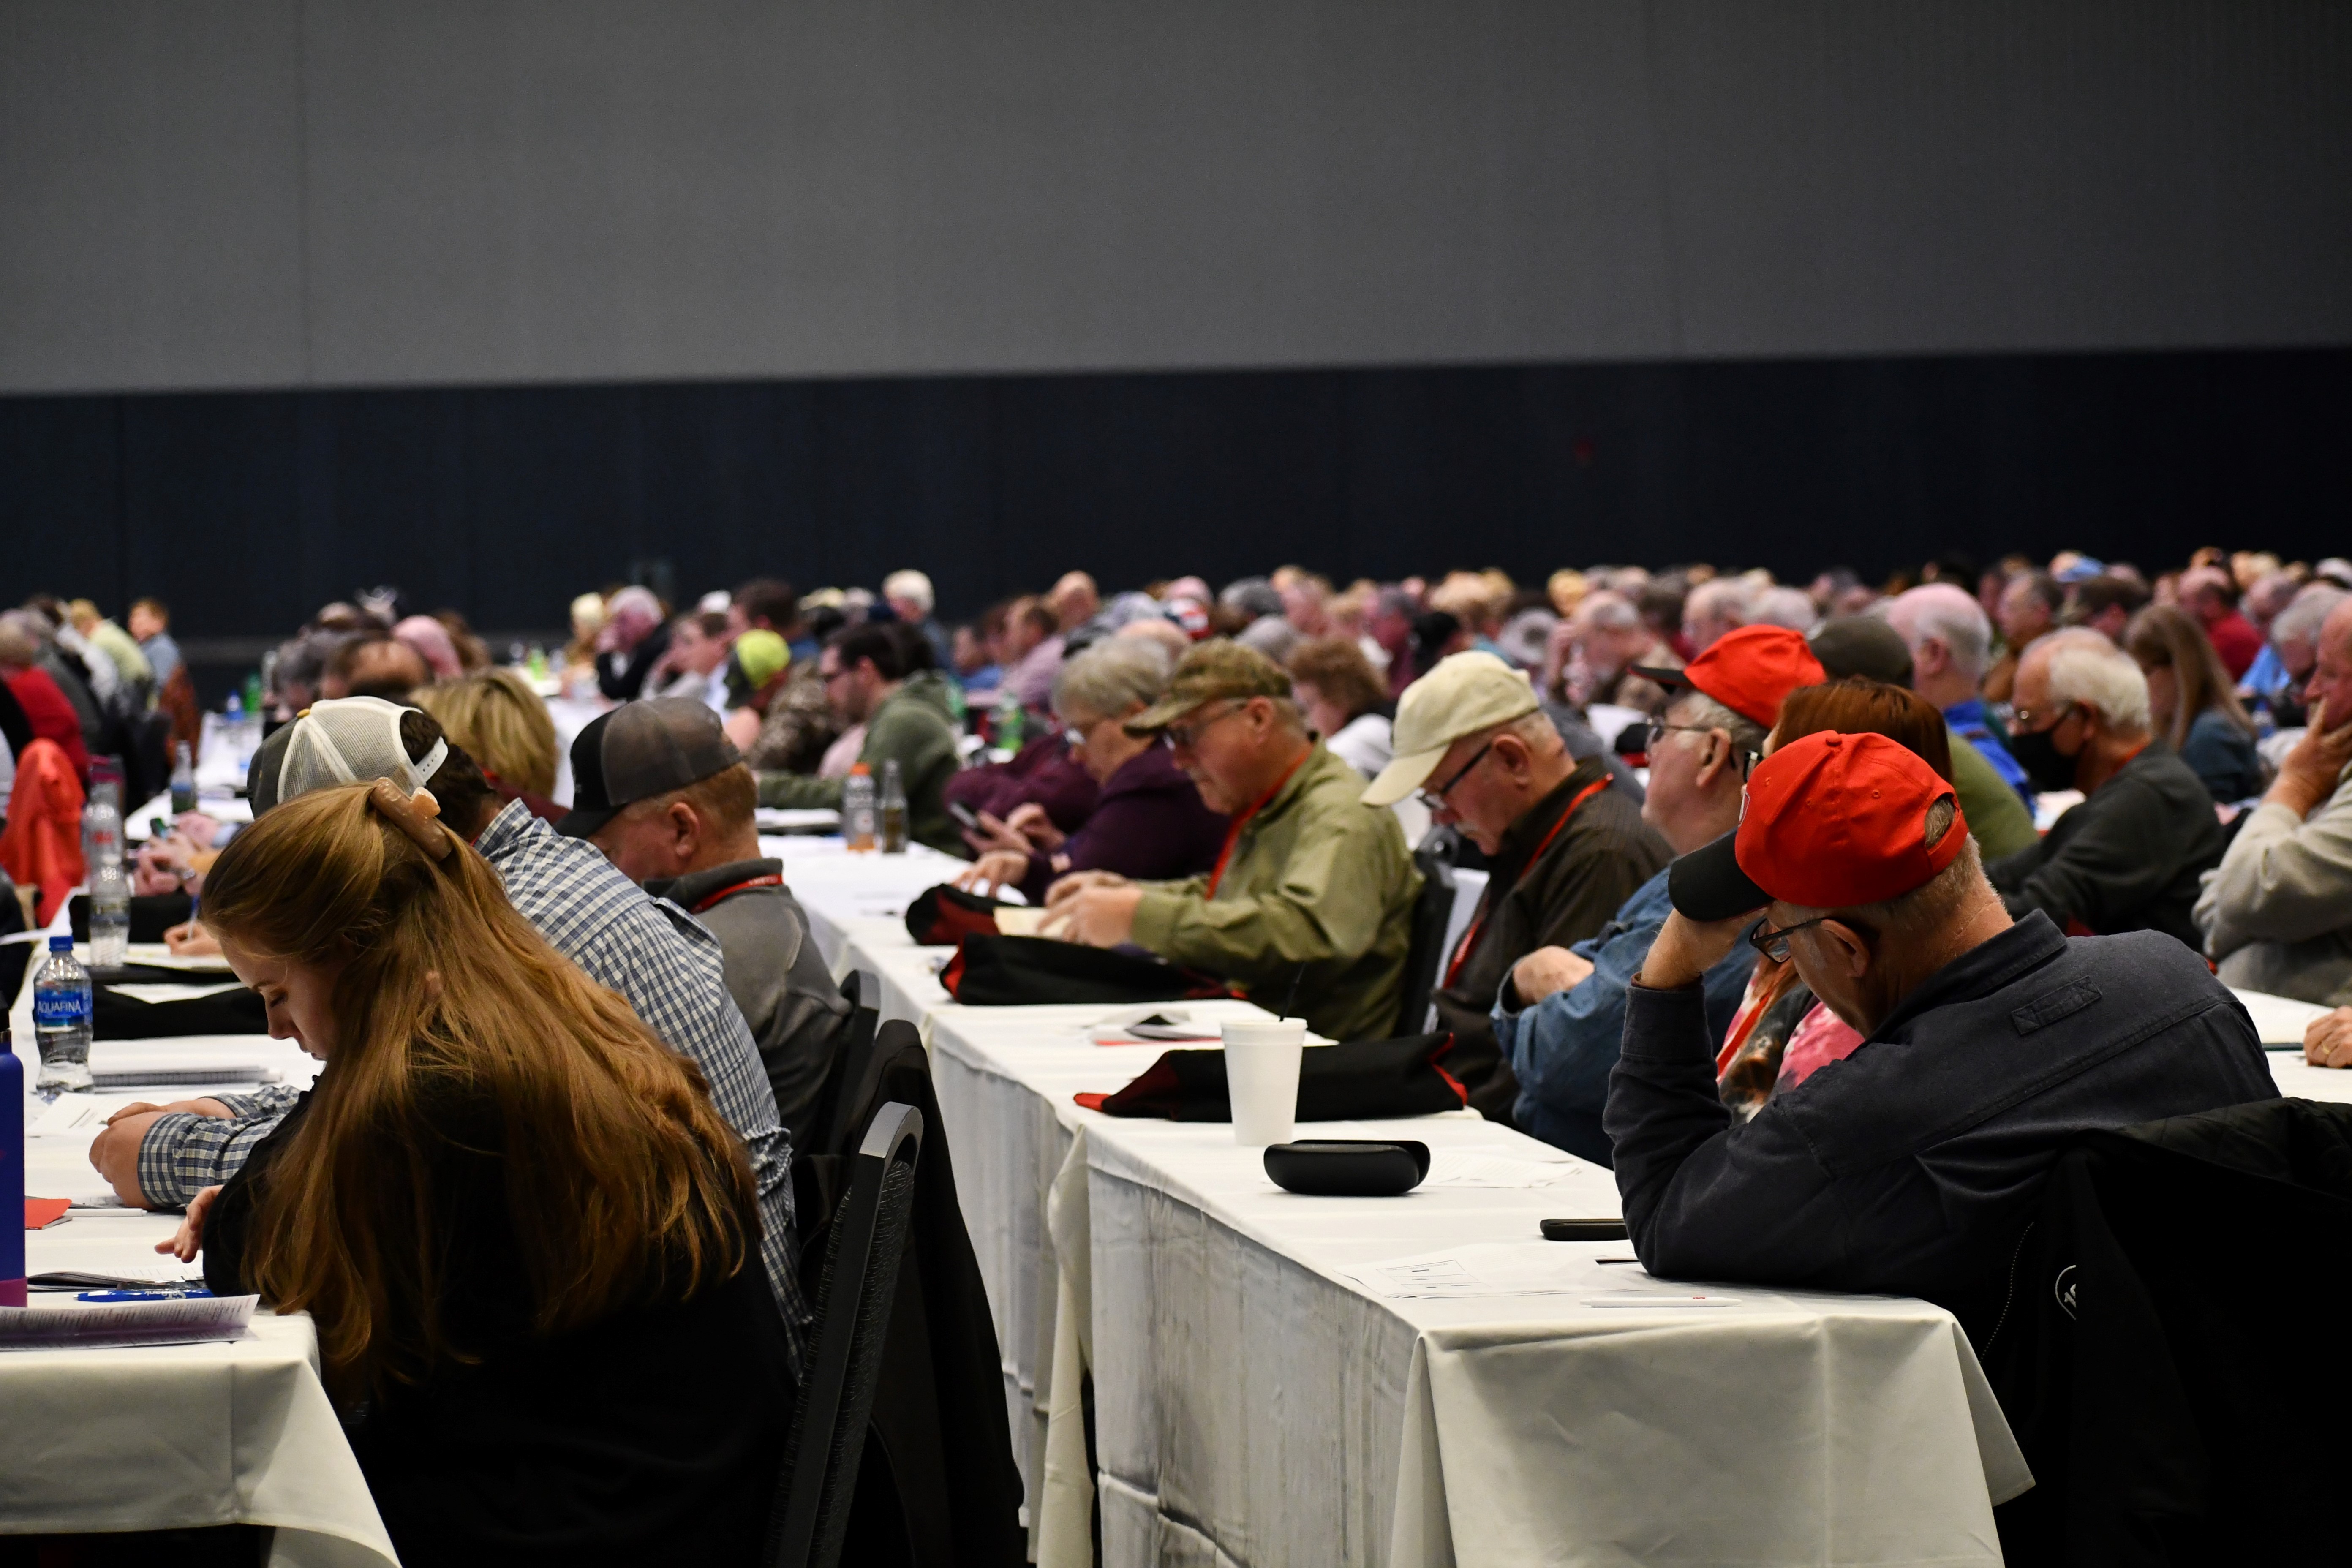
2046	767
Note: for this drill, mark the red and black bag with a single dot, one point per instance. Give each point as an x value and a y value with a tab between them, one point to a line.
994	971
943	916
1372	1080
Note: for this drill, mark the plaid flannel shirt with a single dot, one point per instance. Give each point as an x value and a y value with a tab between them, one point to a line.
661	960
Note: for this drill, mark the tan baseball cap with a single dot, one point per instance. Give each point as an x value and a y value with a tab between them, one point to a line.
1216	669
1466	692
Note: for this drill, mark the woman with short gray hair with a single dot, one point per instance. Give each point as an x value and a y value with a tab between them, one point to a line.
1148	823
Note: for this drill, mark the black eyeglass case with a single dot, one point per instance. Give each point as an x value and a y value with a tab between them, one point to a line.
1347	1167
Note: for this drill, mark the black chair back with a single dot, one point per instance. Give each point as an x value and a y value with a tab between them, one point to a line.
809	1512
1432	912
838	1127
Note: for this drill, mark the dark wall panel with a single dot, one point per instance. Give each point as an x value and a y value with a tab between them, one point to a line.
248	510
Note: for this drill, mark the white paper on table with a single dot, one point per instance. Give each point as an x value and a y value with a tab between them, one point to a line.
158	955
172	990
1495	1269
1017	920
1450	1169
122	1277
77	1115
2279	1020
189	1321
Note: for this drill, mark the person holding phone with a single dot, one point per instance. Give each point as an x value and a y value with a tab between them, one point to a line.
2277	915
1149	821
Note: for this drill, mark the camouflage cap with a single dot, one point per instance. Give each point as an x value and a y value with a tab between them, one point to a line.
1217	669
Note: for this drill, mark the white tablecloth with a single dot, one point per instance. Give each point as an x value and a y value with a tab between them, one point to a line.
172	1437
1257	1404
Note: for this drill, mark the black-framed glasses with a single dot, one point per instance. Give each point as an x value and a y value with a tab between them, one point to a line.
1435	799
1189	735
1774	944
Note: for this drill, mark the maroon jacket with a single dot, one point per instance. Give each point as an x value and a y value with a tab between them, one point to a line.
1043	770
1149	825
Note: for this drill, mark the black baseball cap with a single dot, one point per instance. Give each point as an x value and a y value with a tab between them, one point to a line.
640	750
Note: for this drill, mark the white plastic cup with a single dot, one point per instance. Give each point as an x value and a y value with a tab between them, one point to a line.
1262	1079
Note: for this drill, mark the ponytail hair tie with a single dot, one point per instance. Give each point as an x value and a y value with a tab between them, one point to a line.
413	815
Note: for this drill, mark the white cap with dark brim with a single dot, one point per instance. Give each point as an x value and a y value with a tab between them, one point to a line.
1463	694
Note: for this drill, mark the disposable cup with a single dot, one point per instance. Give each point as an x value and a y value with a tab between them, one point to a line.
1262	1079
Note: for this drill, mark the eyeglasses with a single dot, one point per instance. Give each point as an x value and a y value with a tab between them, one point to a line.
1186	736
1774	944
1435	799
1658	728
2023	719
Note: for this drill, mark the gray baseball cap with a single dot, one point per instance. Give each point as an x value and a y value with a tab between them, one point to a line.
641	749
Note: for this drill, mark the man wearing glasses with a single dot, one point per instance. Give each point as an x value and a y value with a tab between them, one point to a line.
2133	855
1565	844
1909	1167
1309	907
1560	1013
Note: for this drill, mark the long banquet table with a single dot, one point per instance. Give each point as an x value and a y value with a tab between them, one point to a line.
168	1437
1414	1381
1263	1392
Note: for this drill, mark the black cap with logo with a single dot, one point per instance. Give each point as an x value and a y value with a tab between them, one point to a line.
641	749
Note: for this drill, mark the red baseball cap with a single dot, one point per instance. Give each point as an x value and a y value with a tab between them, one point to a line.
1748	671
1829	822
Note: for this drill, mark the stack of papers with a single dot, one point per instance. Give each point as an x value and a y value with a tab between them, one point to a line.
192	1320
1530	1268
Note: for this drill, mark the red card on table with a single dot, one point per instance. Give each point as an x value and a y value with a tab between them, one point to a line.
42	1213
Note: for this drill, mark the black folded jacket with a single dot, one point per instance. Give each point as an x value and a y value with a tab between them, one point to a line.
1370	1081
114	1017
942	916
1016	971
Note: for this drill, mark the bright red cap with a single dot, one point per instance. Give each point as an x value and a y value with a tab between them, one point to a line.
1831	821
1750	671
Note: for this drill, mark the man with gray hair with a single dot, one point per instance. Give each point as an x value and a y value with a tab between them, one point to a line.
1716	608
1989	1045
1951	640
1565	849
2129	857
1559	1015
2278	916
2283	667
908	595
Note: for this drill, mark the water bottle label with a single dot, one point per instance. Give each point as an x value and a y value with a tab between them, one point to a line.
60	1009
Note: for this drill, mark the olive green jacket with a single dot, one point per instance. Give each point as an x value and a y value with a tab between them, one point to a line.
1996	815
911	727
1315	878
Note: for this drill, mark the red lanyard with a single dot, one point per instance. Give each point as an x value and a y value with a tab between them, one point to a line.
1233	834
1470	936
772	880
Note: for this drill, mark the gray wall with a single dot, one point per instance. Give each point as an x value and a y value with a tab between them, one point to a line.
251	194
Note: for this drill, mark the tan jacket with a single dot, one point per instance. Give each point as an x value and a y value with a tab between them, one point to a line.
1315	878
2277	912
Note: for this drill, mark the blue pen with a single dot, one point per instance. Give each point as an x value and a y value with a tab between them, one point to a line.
189	1294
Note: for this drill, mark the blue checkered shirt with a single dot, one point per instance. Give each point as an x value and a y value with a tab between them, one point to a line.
660	959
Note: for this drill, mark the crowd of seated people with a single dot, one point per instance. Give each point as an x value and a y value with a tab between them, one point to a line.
1675	966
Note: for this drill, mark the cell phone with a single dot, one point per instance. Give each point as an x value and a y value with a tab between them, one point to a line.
964	816
1584	1230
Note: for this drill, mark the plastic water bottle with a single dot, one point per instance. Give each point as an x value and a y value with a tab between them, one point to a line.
110	887
12	1173
184	778
894	809
1010	721
61	1021
857	809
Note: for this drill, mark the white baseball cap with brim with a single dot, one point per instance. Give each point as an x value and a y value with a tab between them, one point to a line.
1464	693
